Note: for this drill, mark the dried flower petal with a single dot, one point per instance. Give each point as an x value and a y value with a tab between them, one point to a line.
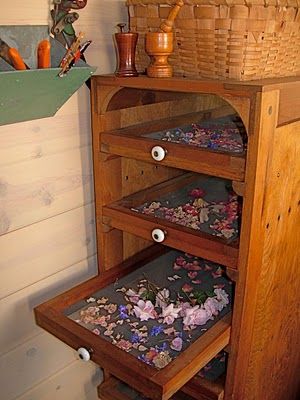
144	310
162	359
170	313
176	344
187	288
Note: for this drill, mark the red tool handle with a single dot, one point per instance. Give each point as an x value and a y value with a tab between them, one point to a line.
43	54
16	59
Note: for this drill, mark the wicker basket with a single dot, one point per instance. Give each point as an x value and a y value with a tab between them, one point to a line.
225	38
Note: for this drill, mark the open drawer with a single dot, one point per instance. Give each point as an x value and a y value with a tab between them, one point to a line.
213	146
114	389
152	322
207	384
193	213
195	389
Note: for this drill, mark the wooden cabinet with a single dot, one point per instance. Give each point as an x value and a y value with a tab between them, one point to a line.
248	230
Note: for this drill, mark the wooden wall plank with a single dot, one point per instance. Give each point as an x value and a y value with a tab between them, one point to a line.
19	12
41	138
30	363
78	103
43	249
77	381
46	248
44	187
18	308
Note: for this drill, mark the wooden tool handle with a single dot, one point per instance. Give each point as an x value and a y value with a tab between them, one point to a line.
16	59
43	54
167	25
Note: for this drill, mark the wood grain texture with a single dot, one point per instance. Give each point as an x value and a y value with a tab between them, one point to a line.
268	331
264	335
21	303
76	381
251	240
66	240
275	335
158	384
154	384
45	195
178	237
38	139
117	177
21	367
113	389
221	165
44	187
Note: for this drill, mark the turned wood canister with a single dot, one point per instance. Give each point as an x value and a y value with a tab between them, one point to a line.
125	47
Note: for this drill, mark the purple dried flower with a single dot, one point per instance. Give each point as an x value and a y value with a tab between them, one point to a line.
156	330
135	338
162	347
123	312
176	344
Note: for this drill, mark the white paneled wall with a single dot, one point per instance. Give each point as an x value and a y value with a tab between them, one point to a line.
47	229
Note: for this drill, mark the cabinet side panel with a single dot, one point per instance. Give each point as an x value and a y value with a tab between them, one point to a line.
273	371
263	112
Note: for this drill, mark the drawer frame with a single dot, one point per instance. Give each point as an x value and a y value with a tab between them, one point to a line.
157	384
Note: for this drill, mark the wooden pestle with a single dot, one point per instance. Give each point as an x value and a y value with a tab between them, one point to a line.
167	25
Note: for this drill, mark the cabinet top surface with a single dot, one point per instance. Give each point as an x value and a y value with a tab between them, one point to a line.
201	85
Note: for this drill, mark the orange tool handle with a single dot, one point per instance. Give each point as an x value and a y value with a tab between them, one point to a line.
43	54
16	59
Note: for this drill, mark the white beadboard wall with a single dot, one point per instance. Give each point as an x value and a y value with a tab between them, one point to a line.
47	229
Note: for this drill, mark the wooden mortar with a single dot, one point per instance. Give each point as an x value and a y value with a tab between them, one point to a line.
159	45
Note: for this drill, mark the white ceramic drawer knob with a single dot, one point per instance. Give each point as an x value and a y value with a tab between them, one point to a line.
158	153
84	354
158	235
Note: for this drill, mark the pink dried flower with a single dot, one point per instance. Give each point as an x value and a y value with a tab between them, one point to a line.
111	308
192	267
192	274
169	331
195	316
180	261
176	344
176	267
217	273
187	288
196	281
222	297
89	314
170	313
145	310
132	295
124	344
211	306
197	192
184	306
100	320
190	209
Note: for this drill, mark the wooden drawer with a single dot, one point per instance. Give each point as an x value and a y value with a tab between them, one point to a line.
136	214
166	142
196	389
142	352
